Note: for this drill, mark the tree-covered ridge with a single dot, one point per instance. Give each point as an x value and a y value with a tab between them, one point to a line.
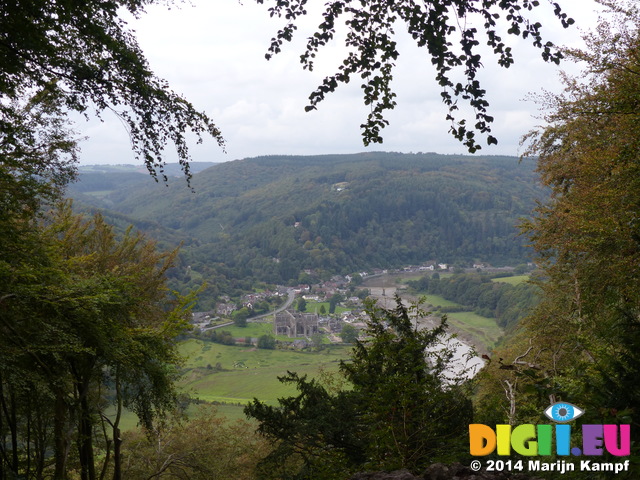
269	218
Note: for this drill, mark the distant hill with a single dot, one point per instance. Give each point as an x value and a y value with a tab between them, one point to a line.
270	218
170	169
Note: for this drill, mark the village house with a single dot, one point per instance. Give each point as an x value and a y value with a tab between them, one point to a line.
339	281
354	301
226	308
332	325
301	289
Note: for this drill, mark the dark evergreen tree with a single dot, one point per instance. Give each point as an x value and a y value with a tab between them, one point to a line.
404	409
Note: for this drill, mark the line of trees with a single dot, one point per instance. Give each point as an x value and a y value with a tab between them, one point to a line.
581	344
587	235
86	326
508	304
85	321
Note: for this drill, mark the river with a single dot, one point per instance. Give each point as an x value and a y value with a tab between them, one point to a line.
464	361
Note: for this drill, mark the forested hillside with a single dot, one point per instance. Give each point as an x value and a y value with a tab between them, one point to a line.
270	218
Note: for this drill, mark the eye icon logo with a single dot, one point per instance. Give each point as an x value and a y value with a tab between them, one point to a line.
563	412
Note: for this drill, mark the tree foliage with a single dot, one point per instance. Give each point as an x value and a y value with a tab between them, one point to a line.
302	305
270	218
412	400
86	324
447	29
84	52
315	434
397	209
201	448
240	317
583	339
38	151
267	342
403	409
349	333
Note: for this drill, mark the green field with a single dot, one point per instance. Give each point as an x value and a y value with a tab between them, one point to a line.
248	372
484	330
515	280
252	329
313	307
438	301
234	375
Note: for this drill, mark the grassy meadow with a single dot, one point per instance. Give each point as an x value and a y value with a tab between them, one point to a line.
484	330
437	301
253	329
237	374
313	307
232	376
514	280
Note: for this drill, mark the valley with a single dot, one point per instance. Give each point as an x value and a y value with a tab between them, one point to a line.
259	235
229	376
292	220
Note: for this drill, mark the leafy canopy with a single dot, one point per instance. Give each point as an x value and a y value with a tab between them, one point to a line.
584	337
85	323
86	54
373	50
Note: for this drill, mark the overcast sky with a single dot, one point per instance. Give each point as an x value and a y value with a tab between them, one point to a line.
213	54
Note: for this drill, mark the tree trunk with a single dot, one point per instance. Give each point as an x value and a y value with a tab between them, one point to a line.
61	449
9	410
85	440
117	456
